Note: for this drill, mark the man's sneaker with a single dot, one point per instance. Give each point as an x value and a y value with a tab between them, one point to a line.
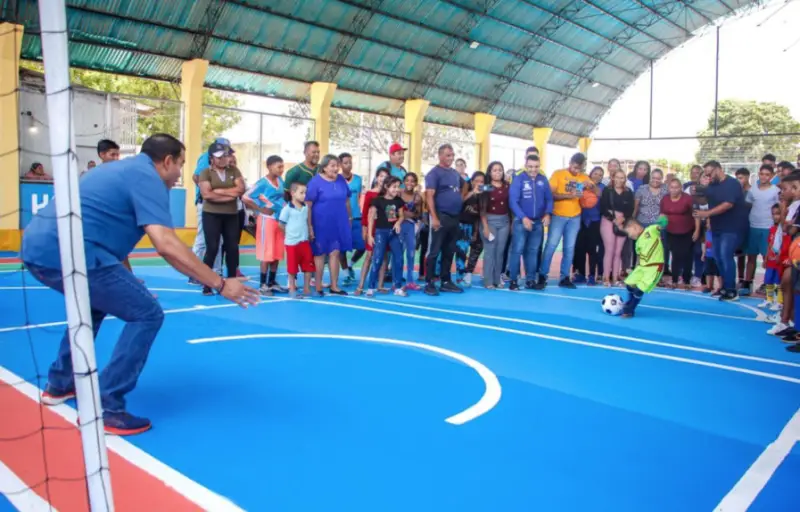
591	281
450	287
729	296
775	329
541	284
400	292
566	283
124	424
430	289
265	291
513	286
52	396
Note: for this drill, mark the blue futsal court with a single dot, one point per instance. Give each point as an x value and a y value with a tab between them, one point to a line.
486	401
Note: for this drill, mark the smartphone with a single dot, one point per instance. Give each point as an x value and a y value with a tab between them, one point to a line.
487	188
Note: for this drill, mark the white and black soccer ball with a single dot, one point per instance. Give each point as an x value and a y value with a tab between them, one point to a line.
612	304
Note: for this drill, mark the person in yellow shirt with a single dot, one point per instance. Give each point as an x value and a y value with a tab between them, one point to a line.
567	186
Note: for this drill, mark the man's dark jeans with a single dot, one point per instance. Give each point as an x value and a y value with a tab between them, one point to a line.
113	291
443	241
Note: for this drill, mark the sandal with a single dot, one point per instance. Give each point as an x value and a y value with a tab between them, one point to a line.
358	292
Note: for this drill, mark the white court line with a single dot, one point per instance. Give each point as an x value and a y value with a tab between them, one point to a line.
662	308
31	288
747	489
582	331
564	340
191	490
197	308
21	496
491	394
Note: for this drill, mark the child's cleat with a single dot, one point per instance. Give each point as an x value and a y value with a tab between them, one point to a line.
52	396
124	424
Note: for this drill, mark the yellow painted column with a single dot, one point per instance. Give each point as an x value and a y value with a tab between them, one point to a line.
583	145
483	134
321	98
414	117
10	48
540	138
193	76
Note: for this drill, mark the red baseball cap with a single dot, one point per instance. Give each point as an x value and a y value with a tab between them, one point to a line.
395	147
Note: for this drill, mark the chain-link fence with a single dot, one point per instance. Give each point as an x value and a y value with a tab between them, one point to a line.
125	119
369	145
257	135
462	140
677	155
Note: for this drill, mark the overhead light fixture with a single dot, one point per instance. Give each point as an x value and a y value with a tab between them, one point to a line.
474	44
594	84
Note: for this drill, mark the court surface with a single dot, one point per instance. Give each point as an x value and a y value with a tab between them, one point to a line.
486	401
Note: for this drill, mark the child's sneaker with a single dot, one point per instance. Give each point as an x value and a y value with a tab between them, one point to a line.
414	287
265	291
773	319
370	293
276	288
400	292
52	396
775	329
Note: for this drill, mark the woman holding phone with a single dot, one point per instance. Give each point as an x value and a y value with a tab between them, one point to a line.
495	224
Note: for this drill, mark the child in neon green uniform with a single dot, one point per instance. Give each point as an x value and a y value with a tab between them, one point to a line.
650	251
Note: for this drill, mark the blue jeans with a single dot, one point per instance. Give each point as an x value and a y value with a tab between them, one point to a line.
566	228
699	264
112	291
408	235
724	246
386	238
525	244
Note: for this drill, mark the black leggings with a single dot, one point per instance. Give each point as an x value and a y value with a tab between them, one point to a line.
422	244
682	249
588	242
228	226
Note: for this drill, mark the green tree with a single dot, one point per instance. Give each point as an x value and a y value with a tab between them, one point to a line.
751	129
154	116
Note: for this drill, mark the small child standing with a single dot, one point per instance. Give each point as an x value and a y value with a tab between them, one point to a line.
711	271
294	224
775	263
413	210
650	256
267	198
386	219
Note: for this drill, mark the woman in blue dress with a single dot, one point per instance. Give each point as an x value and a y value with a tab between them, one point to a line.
329	220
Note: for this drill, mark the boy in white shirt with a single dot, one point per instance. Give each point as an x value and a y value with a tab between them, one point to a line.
761	198
293	222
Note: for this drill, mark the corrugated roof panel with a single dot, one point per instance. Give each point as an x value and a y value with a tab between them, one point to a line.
512	129
433	14
524	95
230	79
498	34
484	57
367	102
535	73
454	77
375	84
262	61
449	117
182	14
385	59
448	99
563	139
404	34
330	14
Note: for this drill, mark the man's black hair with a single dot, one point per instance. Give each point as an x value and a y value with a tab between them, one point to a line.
309	144
769	156
785	165
578	158
742	171
768	167
712	163
161	145
461	160
106	145
345	155
532	158
274	159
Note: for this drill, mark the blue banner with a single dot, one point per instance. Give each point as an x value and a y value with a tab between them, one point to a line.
33	197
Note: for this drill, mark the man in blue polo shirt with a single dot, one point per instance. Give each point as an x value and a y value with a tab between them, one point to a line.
119	206
531	200
729	220
444	192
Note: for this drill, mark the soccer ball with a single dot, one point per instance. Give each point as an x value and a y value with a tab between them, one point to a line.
612	304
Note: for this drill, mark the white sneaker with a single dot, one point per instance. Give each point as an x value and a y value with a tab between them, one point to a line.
400	292
773	319
695	282
776	307
370	293
468	280
777	328
764	305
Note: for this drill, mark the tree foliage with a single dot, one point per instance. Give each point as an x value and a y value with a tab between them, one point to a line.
362	131
755	127
155	116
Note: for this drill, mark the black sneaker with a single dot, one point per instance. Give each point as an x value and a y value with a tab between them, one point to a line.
541	284
566	283
729	296
794	348
530	285
431	290
124	424
789	331
513	286
451	287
